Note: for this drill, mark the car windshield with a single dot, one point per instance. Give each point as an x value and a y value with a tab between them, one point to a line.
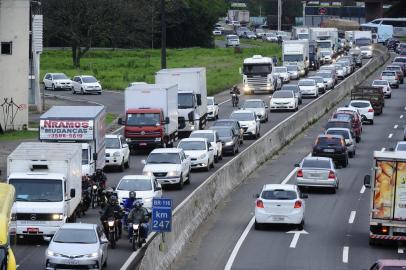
257	69
163	158
324	53
280	69
328	141
388	73
314	163
143	119
208	136
331	124
384	83
317	79
185	100
89	79
283	94
324	44
59	77
343	116
360	104
243	116
85	156
228	123
210	101
291	68
135	185
306	83
253	104
196	145
224	132
401	147
362	42
75	236
232	37
293	57
112	143
38	190
338	132
393	68
400	59
279	194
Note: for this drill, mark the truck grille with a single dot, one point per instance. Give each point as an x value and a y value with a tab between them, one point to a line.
144	133
160	174
34	216
257	81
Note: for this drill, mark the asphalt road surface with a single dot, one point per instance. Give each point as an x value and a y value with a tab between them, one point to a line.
30	254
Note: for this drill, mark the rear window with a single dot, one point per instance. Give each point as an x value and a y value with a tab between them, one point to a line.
278	194
401	147
359	104
325	141
283	94
400	59
388	73
339	132
338	124
311	163
343	116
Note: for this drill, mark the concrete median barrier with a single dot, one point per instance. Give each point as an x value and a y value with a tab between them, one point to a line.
187	217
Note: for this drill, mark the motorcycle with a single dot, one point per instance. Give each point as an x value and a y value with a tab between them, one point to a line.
84	203
234	99
112	232
136	241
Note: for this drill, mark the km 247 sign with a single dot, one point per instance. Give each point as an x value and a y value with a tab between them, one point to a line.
161	215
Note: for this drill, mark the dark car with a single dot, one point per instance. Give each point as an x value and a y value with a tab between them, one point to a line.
332	146
356	122
229	139
231	123
341	123
295	88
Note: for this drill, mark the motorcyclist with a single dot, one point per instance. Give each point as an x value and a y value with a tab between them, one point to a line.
112	209
235	91
128	206
138	215
100	177
105	196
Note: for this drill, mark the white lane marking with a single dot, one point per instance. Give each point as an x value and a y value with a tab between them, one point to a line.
390	135
238	245
117	130
362	189
352	217
295	238
395	126
345	254
401	116
383	149
129	260
289	176
400	250
221	103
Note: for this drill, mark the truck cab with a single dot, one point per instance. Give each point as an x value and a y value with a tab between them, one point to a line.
257	75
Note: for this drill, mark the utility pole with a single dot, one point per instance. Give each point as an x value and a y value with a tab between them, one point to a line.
304	13
279	15
163	35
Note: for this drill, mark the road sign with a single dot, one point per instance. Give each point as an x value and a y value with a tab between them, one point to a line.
161	215
322	11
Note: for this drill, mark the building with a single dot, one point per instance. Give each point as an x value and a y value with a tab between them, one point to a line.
14	63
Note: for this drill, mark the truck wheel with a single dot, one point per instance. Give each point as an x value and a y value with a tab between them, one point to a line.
372	242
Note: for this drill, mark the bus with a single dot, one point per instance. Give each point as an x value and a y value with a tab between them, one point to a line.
7	198
381	32
399	25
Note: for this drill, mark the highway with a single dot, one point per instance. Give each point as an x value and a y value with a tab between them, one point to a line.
336	230
30	254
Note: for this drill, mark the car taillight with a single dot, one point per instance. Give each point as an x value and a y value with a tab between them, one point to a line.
331	175
299	173
260	204
298	204
370	110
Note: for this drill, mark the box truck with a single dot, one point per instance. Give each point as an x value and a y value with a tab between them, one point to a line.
192	95
387	212
151	115
257	75
327	42
78	124
296	52
300	32
47	178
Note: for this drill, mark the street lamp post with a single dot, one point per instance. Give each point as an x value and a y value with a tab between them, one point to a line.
163	35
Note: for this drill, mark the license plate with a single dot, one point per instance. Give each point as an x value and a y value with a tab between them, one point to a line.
31	222
32	230
329	150
278	218
71	262
314	175
143	144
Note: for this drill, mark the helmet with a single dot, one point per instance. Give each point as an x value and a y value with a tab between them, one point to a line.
132	194
109	190
113	200
137	204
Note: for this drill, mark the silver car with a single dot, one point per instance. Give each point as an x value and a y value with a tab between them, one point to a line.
349	141
293	71
391	77
77	246
257	106
317	172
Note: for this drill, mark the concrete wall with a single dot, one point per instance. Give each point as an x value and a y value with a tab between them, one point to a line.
199	204
14	27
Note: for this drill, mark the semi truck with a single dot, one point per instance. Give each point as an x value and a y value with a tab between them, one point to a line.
47	178
192	95
151	115
300	32
387	212
327	42
257	75
296	52
77	124
362	38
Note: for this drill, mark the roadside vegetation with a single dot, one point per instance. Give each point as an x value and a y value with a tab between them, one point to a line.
117	68
18	135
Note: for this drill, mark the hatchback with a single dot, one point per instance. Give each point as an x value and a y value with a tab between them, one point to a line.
355	119
238	130
293	72
308	87
364	108
200	152
392	77
283	100
214	140
328	78
229	139
341	122
56	81
398	70
249	122
332	146
86	84
296	90
257	106
280	204
320	83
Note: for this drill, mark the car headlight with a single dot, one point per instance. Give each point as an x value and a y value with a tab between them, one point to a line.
147	173
52	253
94	187
202	156
135	227
116	154
92	255
57	216
173	173
229	143
111	223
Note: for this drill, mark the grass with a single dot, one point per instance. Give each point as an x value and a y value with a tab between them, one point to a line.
402	39
116	68
18	135
110	117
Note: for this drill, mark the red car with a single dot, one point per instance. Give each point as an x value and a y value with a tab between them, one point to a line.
355	122
389	265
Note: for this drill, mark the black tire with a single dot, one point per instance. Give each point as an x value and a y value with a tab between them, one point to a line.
257	226
127	164
350	155
345	164
99	93
208	166
73	91
216	158
180	184
333	190
53	87
112	240
238	150
390	96
134	244
122	165
372	242
93	203
105	263
81	91
300	226
357	139
372	122
188	178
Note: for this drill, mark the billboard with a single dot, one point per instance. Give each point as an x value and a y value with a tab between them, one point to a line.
384	189
78	130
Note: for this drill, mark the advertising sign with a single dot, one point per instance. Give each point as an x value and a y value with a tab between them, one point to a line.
384	189
66	130
400	196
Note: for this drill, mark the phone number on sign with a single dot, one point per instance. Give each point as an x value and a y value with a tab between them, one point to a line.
65	136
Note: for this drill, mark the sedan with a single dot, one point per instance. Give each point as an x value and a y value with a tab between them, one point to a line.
212	108
257	106
81	245
146	188
317	172
213	138
282	72
249	122
229	139
296	90
320	83
364	108
384	84
231	123
308	87
293	72
391	77
86	84
280	204
327	77
283	100
200	152
332	146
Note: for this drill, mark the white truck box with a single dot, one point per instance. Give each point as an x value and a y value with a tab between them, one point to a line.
365	35
296	52
48	181
300	32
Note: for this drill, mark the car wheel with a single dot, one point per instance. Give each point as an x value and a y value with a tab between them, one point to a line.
372	121
238	150
81	91
300	226
53	87
345	164
122	165
105	263
372	242
257	226
99	93
390	95
188	178
208	165
357	139
73	91
212	164
258	134
127	164
350	154
180	184
216	158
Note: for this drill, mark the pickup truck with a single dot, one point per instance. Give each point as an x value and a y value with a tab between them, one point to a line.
373	94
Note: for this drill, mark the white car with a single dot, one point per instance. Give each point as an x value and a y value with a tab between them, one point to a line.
340	71
117	152
212	108
56	81
400	146
249	122
293	71
308	87
86	84
366	51
213	138
271	37
384	84
170	166
284	100
327	77
217	32
258	106
145	187
280	204
282	72
200	152
364	108
320	83
232	41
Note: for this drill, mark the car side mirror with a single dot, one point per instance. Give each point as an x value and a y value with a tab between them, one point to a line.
120	121
367	181
211	148
304	196
125	145
391	149
216	104
72	193
257	195
297	165
167	121
158	188
144	161
266	107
